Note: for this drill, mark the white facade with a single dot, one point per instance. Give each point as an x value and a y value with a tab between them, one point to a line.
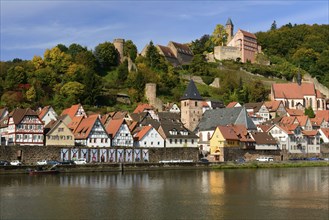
151	139
181	142
123	137
174	108
204	140
50	115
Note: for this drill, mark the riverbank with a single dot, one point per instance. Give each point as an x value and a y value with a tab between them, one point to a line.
110	167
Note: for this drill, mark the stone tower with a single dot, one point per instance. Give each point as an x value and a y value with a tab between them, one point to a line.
118	44
191	107
150	94
229	30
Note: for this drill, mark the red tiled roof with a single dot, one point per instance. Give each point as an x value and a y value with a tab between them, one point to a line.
272	106
310	133
325	131
293	90
75	122
113	126
264	138
264	128
295	112
287	120
228	132
85	126
317	121
248	34
71	111
231	104
318	94
323	114
142	132
44	111
142	107
205	104
302	120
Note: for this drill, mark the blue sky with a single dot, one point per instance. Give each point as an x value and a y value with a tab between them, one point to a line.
28	28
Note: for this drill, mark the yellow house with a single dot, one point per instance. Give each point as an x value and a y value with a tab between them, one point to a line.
223	136
58	134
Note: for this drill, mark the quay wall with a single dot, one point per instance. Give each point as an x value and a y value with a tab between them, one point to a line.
31	154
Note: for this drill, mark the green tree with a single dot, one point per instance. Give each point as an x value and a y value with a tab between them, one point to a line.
123	72
130	50
154	59
16	75
57	60
273	26
75	49
257	92
204	44
71	92
309	112
31	94
199	65
106	55
219	35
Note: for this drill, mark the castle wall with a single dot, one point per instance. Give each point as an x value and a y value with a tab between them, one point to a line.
226	53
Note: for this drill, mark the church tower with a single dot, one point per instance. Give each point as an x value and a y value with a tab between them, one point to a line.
229	30
191	107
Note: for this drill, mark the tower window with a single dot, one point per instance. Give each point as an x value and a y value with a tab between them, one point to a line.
196	103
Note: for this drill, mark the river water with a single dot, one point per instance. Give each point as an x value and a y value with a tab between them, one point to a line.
288	193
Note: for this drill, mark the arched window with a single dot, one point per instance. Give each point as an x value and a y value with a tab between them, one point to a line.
311	103
318	103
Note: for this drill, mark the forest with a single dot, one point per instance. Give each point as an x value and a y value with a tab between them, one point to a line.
71	74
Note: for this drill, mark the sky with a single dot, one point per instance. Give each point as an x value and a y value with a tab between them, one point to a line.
28	28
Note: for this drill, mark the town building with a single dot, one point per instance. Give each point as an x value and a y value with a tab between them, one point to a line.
299	95
57	133
120	133
147	136
47	114
24	128
191	107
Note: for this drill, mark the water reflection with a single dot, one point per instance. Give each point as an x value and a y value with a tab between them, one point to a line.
230	194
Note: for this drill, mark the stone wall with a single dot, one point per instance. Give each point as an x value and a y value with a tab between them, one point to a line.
32	154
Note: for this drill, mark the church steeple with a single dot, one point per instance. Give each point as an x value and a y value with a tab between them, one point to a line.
229	30
191	92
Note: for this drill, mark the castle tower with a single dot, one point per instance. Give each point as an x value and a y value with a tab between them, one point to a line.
229	30
191	107
150	92
118	44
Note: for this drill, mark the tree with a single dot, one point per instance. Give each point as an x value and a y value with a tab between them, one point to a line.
130	50
106	55
75	49
71	92
273	26
198	65
257	92
204	44
57	60
31	94
123	72
16	75
309	112
219	35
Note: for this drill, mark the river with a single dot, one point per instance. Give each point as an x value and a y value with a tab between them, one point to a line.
281	193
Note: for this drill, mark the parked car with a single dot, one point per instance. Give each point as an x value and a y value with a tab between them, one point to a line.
42	162
4	163
264	159
240	160
80	161
204	160
53	162
69	162
15	163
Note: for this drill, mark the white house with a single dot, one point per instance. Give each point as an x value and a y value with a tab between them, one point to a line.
92	133
147	136
120	133
47	114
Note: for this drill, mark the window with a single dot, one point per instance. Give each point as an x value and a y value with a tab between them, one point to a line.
196	104
158	142
60	129
192	141
170	141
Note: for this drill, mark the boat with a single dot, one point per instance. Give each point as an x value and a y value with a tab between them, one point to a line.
37	172
41	170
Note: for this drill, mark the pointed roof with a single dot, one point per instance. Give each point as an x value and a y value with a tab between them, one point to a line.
228	132
272	106
142	107
85	126
225	116
191	92
323	114
264	138
113	126
75	122
18	114
144	130
229	22
71	111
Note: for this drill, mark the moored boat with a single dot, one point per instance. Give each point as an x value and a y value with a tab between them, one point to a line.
37	172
